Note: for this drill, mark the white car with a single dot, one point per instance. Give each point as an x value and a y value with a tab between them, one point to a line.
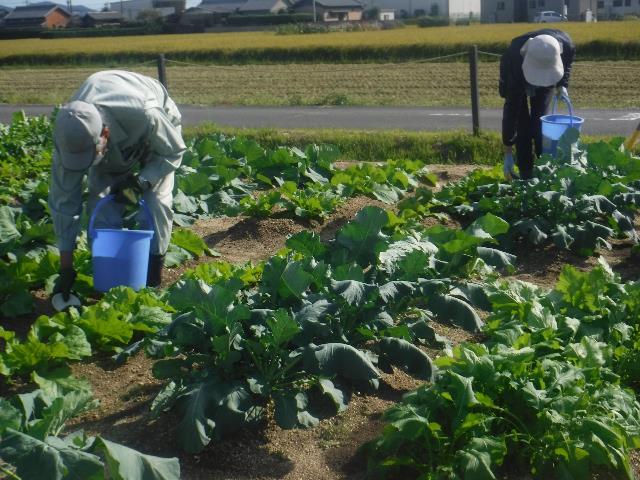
549	17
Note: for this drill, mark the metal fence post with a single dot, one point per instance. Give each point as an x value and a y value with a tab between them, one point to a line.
162	71
475	100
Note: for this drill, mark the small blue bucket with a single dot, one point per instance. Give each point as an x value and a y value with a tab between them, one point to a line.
554	126
120	257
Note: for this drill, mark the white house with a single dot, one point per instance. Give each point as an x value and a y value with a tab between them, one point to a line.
386	14
130	9
452	9
463	9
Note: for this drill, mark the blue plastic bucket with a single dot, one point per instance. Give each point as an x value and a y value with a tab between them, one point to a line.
554	126
119	257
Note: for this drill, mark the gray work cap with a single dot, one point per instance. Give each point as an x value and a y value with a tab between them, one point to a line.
77	133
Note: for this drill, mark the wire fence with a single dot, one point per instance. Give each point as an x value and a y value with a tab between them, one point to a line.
434	81
439	81
341	68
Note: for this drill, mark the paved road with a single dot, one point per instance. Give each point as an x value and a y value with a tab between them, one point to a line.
597	122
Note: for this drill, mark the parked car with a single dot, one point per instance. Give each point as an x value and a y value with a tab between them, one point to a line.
549	16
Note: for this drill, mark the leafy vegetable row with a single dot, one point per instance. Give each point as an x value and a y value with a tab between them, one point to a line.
313	323
30	441
237	176
543	395
578	201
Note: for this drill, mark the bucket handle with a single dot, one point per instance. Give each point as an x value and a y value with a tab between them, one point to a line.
109	198
567	102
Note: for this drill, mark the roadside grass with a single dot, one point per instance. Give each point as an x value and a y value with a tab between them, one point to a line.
603	40
455	147
600	84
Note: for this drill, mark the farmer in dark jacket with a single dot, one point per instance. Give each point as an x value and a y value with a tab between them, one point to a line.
535	67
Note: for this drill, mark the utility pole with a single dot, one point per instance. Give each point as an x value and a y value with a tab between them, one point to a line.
70	6
314	12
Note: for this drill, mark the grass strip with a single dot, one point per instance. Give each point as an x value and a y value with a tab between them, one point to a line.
432	147
455	147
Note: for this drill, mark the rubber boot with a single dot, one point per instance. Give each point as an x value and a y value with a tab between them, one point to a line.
154	272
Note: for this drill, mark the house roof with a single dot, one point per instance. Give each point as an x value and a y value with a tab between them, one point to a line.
33	11
221	6
102	16
80	9
220	2
195	11
339	3
258	5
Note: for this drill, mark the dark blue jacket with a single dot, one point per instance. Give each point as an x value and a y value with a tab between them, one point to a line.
512	84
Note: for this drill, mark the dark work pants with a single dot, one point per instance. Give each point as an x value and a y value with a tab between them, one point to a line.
529	128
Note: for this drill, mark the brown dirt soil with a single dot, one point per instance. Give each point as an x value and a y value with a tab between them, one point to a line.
329	451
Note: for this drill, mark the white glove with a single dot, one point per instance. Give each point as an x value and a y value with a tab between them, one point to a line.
508	167
561	92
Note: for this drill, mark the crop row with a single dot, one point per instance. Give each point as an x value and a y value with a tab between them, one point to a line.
604	40
546	394
601	84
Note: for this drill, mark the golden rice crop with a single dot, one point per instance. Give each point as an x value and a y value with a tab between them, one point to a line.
621	32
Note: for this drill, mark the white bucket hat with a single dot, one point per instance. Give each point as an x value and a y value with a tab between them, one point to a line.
77	134
542	64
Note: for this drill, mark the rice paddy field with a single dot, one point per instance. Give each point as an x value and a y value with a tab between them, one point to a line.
617	40
602	84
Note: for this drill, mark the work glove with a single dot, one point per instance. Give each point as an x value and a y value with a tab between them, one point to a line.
508	167
128	190
64	282
561	92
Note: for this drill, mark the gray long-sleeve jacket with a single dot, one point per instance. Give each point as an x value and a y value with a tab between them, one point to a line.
145	130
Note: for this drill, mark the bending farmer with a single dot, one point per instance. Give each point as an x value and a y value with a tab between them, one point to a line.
536	66
124	132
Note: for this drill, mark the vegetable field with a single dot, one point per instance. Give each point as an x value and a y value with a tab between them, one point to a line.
330	319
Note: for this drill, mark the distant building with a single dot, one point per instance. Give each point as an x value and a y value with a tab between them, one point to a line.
4	11
263	7
504	11
573	9
461	9
101	19
221	6
44	15
210	12
386	14
507	11
199	17
332	10
130	9
615	9
452	9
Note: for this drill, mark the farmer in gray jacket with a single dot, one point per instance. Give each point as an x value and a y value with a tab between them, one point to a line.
123	131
